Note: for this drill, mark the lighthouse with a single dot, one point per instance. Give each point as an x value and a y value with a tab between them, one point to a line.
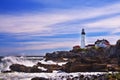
83	39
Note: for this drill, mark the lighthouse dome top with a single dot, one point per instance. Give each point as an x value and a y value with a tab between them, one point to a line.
83	32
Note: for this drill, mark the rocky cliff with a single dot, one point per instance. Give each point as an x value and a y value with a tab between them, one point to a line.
91	59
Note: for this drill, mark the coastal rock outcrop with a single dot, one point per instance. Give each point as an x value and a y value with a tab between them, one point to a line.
78	67
59	55
22	68
117	52
19	68
91	59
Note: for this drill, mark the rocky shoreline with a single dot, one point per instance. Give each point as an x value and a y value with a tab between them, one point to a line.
80	60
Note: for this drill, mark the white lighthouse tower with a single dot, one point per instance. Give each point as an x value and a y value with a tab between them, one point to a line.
83	39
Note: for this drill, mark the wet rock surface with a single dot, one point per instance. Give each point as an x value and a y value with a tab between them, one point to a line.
22	68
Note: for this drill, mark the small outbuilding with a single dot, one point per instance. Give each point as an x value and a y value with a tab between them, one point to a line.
76	47
102	43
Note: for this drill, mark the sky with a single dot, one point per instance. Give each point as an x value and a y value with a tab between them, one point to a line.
37	27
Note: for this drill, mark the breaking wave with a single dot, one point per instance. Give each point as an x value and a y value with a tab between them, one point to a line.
9	60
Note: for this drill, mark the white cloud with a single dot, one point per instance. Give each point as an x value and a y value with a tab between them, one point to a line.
38	46
42	22
54	45
106	23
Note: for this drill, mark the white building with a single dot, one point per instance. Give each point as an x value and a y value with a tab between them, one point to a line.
102	43
83	39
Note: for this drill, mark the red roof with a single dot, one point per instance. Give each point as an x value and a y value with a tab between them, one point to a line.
77	46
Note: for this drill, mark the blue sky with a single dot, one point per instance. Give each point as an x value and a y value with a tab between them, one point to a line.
35	27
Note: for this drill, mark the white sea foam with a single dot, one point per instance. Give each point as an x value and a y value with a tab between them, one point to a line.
27	61
42	68
52	62
7	61
51	76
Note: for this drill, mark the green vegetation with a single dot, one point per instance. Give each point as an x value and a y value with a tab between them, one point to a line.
113	76
81	50
118	76
94	47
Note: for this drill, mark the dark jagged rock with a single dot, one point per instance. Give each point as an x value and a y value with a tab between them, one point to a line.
78	67
90	61
39	78
98	67
117	51
114	50
111	51
35	69
118	45
22	68
6	71
59	55
19	68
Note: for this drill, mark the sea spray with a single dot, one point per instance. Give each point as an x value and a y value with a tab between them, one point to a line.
9	60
